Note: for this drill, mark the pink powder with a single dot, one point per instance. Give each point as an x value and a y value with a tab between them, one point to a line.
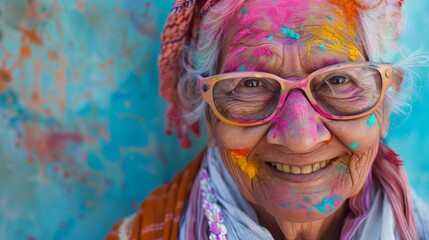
263	51
241	35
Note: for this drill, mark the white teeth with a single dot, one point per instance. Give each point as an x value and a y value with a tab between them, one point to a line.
302	170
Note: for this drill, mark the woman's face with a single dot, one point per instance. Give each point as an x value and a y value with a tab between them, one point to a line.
298	140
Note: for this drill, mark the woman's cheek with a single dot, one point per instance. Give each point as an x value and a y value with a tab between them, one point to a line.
243	170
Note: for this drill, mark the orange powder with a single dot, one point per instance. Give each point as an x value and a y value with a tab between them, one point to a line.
248	166
350	8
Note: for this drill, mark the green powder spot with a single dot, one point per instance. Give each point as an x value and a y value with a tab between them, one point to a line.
357	39
242	68
354	145
329	17
270	38
302	26
372	120
243	11
322	47
273	3
297	36
283	90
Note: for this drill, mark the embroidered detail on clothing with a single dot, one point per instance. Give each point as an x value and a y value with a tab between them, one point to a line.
212	211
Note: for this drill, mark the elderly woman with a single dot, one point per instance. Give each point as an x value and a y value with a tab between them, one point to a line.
297	96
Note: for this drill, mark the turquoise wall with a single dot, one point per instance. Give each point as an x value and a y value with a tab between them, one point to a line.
82	126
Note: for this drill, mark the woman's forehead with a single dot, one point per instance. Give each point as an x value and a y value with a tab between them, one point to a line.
316	28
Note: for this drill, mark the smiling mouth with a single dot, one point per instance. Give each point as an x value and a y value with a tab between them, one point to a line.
315	167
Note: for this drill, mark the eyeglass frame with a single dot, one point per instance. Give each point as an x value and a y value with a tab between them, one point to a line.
206	85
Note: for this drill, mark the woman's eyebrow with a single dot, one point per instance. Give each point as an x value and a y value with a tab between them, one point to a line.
315	65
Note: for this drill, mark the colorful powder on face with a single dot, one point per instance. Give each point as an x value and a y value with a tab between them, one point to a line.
342	168
243	11
328	205
270	38
372	120
322	47
288	33
338	34
329	17
248	166
285	204
242	68
263	51
354	145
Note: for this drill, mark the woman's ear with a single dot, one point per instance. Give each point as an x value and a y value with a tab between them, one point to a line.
385	122
210	131
398	79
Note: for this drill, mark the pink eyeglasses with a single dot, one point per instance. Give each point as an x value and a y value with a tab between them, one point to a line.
340	92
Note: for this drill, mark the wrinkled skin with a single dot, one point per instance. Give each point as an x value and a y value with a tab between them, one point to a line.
308	208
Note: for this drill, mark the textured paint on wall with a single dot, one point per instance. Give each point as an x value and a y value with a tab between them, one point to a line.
81	124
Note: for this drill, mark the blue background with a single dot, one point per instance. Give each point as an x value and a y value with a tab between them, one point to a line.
82	126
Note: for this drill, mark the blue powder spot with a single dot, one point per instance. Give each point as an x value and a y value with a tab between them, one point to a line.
327	205
297	36
331	43
249	27
243	11
354	145
285	204
342	169
285	31
357	39
298	206
322	47
273	3
292	34
329	17
242	68
372	120
270	38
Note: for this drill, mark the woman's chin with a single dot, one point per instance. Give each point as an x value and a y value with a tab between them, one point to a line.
301	197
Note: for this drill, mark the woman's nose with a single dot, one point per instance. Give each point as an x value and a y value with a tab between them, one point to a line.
298	127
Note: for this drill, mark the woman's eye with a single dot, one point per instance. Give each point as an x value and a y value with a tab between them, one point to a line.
337	80
251	83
